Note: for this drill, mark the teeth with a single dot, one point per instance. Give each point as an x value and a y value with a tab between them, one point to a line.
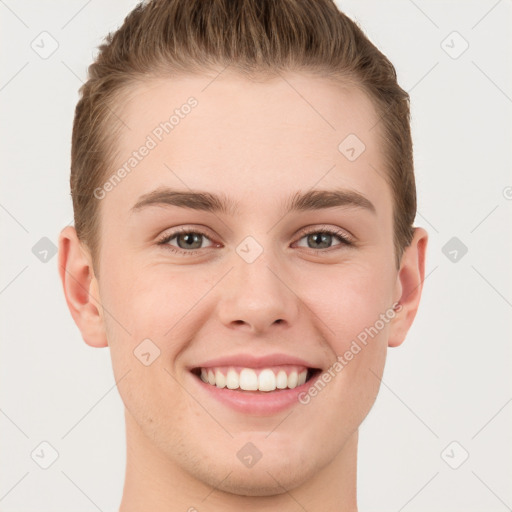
292	380
232	380
220	380
282	380
266	380
248	380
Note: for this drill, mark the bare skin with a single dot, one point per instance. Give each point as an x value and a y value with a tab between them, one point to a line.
257	143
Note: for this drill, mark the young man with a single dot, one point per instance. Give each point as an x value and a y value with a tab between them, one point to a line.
244	195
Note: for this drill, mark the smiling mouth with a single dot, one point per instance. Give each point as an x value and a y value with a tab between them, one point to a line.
256	380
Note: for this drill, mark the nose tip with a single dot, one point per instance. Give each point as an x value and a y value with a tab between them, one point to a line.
255	297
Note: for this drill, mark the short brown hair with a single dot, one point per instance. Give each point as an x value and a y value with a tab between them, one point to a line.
164	37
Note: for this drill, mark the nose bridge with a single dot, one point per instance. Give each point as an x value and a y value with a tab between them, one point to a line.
256	293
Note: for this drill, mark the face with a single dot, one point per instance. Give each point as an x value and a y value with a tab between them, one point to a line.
268	281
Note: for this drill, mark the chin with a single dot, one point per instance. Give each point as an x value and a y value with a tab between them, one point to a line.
253	482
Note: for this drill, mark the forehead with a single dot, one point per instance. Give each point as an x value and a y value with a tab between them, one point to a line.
255	140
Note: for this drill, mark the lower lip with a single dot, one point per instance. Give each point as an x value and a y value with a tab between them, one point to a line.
262	403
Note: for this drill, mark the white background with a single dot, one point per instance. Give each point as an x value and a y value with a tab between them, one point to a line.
449	381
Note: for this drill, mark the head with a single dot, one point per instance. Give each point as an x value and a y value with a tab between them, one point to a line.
290	123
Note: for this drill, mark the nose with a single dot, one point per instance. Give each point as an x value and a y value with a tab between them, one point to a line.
257	296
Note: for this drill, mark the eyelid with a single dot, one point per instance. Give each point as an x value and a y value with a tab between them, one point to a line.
345	235
172	232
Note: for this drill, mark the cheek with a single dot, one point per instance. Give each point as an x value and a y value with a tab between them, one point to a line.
348	299
355	308
150	302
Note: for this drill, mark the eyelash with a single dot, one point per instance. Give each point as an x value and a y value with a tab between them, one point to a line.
330	231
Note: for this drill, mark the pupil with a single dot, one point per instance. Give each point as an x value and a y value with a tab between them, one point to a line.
324	238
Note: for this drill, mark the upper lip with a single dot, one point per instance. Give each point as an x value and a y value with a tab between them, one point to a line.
251	361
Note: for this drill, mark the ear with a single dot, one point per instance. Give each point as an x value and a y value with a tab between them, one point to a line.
81	288
408	287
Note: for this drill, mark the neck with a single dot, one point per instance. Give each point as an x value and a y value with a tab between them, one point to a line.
154	482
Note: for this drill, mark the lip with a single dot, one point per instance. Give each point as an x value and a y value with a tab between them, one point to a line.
258	403
250	361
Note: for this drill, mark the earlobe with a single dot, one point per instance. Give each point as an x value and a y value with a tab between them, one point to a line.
409	286
81	288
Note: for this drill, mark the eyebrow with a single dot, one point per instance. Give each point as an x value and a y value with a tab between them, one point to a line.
299	201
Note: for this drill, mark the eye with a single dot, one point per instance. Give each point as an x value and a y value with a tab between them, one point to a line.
318	239
188	241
